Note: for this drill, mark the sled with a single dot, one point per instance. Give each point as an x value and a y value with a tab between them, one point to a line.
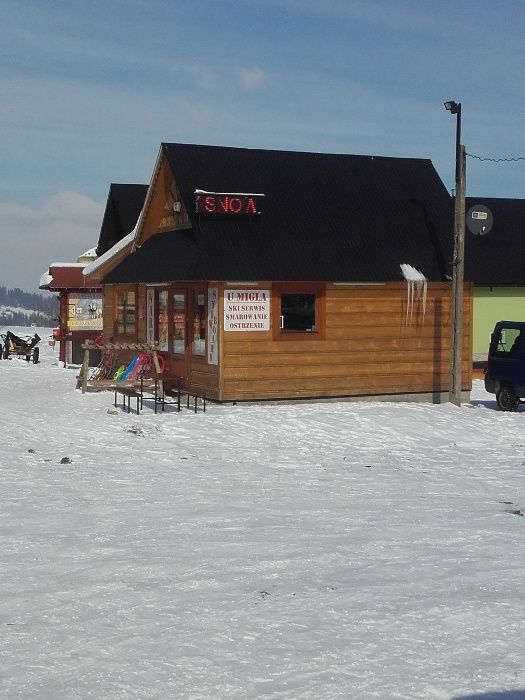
21	347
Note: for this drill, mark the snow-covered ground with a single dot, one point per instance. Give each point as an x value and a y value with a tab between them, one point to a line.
322	550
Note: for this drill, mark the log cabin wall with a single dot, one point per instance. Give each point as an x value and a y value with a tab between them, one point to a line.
375	343
204	379
107	306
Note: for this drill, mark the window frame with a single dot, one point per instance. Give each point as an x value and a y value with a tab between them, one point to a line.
197	291
176	290
120	292
512	346
318	289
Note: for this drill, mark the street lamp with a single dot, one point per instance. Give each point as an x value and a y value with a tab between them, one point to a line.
455	108
458	262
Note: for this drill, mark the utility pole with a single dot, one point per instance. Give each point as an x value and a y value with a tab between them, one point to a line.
458	267
458	263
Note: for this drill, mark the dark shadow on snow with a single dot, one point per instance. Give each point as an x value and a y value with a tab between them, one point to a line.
486	403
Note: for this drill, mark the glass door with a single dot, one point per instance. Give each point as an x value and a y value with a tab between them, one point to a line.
180	337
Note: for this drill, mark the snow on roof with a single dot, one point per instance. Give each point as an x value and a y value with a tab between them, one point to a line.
119	246
45	280
66	264
92	252
235	194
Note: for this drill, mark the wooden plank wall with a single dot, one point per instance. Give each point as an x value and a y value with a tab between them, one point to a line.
108	310
374	345
205	378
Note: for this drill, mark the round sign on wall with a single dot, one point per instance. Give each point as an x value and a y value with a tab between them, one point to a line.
479	219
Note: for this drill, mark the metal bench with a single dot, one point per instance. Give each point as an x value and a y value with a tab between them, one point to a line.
168	390
128	393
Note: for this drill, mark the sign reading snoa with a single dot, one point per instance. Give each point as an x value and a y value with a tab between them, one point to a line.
247	310
228	204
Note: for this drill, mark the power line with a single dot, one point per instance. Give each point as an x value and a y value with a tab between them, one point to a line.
497	160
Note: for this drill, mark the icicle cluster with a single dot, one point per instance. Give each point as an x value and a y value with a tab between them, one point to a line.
416	290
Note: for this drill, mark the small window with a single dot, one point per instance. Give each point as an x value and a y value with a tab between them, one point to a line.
298	312
125	313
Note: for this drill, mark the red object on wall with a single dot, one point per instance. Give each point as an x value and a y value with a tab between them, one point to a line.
228	204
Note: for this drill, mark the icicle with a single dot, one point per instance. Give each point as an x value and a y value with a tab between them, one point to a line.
416	291
408	302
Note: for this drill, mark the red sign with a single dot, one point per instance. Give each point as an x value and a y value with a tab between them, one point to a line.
228	204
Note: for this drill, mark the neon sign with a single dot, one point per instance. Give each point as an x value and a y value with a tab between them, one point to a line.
227	204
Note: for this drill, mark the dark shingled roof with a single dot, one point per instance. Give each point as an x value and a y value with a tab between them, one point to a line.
122	211
498	257
325	217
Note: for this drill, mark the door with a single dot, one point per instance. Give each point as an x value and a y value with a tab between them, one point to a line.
180	358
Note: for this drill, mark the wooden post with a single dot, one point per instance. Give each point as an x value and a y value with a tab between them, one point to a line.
456	341
156	366
84	370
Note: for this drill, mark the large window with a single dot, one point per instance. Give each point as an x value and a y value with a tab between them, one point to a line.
199	324
125	313
301	310
179	323
157	321
162	322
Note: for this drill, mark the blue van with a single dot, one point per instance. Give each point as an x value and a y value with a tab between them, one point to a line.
505	369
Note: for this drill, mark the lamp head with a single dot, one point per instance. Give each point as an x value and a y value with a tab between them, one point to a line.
453	107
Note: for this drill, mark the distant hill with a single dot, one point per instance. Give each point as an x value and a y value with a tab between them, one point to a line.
18	308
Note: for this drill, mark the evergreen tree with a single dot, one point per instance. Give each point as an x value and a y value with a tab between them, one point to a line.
19	308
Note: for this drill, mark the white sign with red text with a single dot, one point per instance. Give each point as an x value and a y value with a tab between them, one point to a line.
247	310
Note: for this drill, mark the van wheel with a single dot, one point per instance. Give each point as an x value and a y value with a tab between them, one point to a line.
507	399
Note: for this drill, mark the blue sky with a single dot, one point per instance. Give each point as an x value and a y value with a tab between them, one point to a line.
89	90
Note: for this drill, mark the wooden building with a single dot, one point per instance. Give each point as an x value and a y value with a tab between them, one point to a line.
494	254
275	275
80	306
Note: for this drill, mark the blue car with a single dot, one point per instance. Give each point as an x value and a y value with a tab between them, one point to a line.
505	370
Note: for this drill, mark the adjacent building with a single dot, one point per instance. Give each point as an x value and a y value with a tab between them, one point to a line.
80	316
494	256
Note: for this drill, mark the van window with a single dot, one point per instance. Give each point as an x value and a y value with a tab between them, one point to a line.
508	340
